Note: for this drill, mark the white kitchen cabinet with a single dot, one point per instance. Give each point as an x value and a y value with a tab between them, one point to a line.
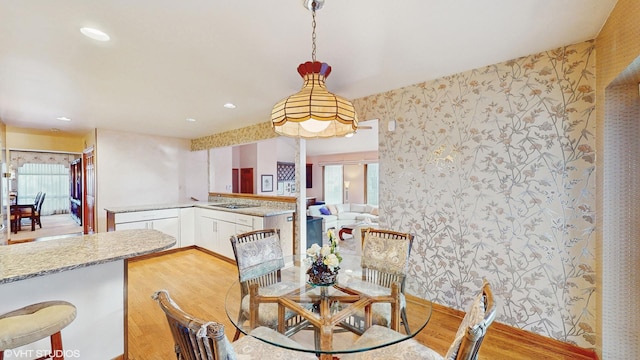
215	229
207	234
207	228
226	229
164	220
187	226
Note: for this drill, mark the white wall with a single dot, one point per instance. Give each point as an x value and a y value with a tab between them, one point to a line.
220	163
286	149
195	175
267	153
134	169
249	159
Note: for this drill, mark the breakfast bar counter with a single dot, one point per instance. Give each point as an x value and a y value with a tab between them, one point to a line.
28	260
88	271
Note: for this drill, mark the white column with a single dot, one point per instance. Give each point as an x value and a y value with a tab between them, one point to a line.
301	193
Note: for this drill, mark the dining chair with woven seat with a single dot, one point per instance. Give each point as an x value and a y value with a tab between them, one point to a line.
465	346
197	339
385	258
259	258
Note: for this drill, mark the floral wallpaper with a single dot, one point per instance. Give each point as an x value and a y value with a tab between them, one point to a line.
260	131
493	171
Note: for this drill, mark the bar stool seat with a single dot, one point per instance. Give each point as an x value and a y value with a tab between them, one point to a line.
34	322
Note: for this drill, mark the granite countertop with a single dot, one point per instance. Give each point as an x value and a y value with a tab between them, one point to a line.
28	260
134	208
262	211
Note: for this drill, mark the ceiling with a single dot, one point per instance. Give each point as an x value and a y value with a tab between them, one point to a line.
171	60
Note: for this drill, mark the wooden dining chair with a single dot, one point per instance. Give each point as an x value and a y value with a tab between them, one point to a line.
259	259
385	257
37	209
15	219
465	346
197	339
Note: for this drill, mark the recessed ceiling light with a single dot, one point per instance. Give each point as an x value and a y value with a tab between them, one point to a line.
191	120
94	34
229	106
63	118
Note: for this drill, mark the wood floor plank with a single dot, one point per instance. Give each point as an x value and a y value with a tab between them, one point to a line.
198	282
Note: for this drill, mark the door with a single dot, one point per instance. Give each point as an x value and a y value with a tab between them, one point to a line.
235	181
5	209
246	180
75	190
89	191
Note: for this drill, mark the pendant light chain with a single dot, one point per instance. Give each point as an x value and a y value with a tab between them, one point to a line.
313	34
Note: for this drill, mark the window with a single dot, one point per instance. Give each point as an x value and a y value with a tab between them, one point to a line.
372	183
52	179
333	184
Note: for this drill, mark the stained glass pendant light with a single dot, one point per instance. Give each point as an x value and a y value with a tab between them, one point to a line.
314	112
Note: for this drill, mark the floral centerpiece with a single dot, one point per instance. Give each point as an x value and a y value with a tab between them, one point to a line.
324	262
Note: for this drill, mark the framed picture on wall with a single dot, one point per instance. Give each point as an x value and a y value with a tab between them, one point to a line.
267	183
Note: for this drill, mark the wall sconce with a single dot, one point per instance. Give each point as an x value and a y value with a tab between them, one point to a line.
346	191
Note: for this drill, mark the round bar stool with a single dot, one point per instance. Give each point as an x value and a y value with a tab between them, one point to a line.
34	322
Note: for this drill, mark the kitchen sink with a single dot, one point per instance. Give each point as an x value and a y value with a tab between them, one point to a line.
235	206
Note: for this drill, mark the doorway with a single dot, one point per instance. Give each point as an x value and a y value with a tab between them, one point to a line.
55	179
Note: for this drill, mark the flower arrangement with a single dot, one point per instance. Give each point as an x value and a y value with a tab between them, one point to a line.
325	261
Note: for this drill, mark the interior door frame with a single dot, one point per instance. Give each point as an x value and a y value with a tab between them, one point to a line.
5	159
88	191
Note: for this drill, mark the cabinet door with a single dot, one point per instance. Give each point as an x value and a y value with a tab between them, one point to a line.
225	231
170	226
207	237
187	227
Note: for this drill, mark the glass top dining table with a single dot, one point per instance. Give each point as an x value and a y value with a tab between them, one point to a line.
327	309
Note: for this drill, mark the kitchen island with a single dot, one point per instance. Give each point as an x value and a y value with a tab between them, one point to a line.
87	271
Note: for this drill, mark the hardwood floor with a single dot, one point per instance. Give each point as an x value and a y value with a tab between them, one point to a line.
52	225
198	282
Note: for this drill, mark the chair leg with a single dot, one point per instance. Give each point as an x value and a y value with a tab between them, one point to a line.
56	346
57	353
241	320
403	316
